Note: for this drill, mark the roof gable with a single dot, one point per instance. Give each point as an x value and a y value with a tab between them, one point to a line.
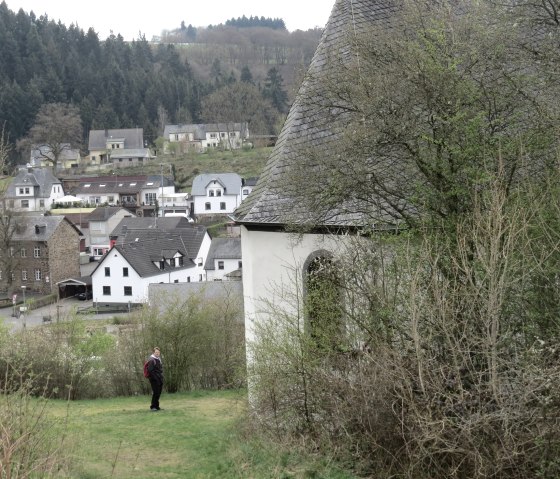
231	182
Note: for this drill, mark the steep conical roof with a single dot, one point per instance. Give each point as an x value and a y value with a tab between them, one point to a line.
309	125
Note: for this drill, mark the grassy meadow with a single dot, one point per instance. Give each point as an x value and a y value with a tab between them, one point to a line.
196	435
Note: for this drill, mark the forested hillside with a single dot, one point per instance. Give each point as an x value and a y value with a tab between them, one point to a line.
226	73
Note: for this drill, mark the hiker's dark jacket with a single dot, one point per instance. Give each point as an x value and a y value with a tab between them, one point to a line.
155	368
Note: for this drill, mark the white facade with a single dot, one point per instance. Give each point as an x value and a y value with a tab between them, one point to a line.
26	200
208	205
116	281
273	265
221	268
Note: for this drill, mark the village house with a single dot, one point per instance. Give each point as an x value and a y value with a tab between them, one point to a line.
200	137
217	193
131	223
69	158
43	250
224	260
102	221
138	193
119	148
33	189
144	257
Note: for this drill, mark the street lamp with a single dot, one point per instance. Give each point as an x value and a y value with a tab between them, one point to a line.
24	306
161	198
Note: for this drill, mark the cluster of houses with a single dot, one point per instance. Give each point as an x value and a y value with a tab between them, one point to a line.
136	229
122	148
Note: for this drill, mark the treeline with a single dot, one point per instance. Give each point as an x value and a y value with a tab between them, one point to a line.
113	83
244	22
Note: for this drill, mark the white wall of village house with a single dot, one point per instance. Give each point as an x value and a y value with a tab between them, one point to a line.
219	274
272	261
117	281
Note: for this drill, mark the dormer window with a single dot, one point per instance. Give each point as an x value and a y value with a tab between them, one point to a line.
218	192
210	192
162	264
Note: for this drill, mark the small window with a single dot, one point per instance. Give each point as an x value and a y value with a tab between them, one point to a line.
38	275
222	205
162	264
220	265
245	192
25	203
240	264
106	290
125	272
42	203
200	277
176	281
210	192
218	192
199	261
188	277
128	290
207	206
23	253
37	252
24	275
107	271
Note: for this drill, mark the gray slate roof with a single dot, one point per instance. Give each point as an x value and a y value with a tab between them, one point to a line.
309	124
231	183
41	179
103	213
143	223
131	153
223	248
36	227
142	247
133	138
120	184
199	130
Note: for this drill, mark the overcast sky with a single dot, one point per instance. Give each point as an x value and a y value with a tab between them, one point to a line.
128	17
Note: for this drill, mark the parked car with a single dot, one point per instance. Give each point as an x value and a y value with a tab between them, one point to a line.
85	295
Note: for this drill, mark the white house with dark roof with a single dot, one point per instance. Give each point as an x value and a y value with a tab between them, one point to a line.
224	258
134	190
119	147
131	223
200	137
144	257
216	193
33	189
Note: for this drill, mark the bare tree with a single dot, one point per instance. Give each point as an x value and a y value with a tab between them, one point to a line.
5	149
57	128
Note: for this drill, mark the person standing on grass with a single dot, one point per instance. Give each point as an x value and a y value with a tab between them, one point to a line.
155	370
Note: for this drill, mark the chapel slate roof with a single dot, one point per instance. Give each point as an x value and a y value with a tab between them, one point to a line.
223	248
309	125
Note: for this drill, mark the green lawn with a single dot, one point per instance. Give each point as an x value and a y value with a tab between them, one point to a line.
195	436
